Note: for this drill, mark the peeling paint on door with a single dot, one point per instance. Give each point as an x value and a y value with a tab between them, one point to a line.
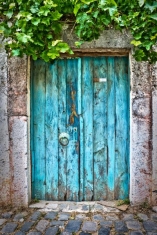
87	98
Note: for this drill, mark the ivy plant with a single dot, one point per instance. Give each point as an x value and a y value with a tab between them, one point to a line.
34	27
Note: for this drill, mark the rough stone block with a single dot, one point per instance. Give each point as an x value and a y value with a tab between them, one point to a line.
133	225
19	233
64	216
89	226
73	226
7	215
35	216
104	231
2	221
9	228
106	223
26	226
41	226
98	217
18	158
150	226
51	231
143	217
128	217
120	227
51	215
153	217
17	100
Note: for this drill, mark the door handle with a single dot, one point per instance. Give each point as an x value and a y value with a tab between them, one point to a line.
64	138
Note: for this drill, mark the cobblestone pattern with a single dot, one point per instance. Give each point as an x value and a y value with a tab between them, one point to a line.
40	222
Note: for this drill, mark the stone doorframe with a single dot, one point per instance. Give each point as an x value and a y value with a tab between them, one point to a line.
15	160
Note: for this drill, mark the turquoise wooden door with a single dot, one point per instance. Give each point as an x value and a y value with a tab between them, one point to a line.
80	129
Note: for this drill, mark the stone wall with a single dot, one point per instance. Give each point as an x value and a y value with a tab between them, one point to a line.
14	123
5	177
13	130
141	132
154	134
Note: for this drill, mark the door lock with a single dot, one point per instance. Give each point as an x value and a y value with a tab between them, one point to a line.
64	139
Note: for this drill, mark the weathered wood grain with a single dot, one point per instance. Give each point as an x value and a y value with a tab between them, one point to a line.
65	98
100	130
122	128
51	129
111	127
62	127
73	130
87	109
39	129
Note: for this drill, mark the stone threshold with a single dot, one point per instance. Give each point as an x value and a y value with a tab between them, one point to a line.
80	207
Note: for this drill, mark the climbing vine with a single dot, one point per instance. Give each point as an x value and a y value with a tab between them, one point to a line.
34	27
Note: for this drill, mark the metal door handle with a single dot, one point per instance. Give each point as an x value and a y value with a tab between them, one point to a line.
64	138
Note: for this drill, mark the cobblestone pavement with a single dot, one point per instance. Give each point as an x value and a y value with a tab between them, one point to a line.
54	218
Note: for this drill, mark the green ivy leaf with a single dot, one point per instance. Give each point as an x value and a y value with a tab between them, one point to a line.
23	37
153	16
54	43
53	54
151	7
62	47
34	9
147	45
136	43
11	5
35	21
78	44
141	2
56	15
9	14
138	36
112	10
16	52
139	55
76	8
2	28
153	37
46	21
44	56
44	10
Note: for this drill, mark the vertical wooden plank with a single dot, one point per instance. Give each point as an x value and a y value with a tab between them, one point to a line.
81	137
87	110
39	129
100	130
62	127
73	130
111	127
122	128
51	127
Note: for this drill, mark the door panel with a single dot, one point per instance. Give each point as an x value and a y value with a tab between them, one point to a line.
51	131
122	114
73	131
87	114
100	129
87	98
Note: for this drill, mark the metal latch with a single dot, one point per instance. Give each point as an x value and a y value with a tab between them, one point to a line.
100	79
